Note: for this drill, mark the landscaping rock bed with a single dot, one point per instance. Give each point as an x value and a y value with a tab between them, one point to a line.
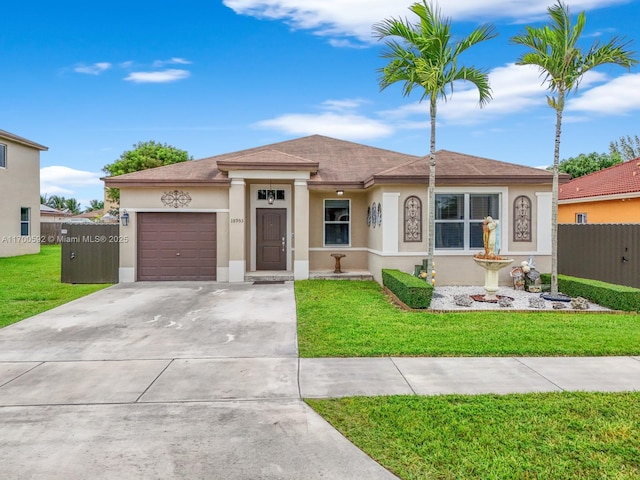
444	298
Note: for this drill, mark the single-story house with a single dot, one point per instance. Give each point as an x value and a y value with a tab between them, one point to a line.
20	187
286	207
52	215
611	195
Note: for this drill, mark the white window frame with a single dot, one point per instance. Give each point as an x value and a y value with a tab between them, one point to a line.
503	202
581	218
3	155
26	222
325	223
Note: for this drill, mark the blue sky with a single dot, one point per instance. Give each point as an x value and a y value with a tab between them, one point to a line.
91	79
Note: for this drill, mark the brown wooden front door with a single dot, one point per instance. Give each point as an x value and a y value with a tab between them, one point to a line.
271	247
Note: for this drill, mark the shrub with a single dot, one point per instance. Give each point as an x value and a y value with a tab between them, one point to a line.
414	292
617	297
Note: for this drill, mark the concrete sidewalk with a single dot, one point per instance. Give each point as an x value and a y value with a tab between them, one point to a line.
339	377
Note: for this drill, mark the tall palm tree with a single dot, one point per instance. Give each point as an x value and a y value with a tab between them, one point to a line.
554	50
423	55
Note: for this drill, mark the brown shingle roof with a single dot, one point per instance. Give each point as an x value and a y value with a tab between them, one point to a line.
620	179
335	162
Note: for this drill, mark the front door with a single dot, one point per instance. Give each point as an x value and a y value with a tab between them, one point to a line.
271	235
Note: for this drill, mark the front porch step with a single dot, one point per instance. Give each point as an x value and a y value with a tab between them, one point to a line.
330	275
268	276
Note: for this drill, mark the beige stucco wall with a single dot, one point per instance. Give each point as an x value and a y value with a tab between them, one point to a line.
203	199
319	255
20	187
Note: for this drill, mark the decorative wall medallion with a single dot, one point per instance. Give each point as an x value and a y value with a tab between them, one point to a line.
368	216
176	199
379	214
413	219
374	214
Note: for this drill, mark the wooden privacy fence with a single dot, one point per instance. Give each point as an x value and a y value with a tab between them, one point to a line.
606	252
90	252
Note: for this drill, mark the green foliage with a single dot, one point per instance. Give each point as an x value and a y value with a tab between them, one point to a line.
587	163
627	148
616	297
63	204
412	291
554	436
95	205
30	284
144	155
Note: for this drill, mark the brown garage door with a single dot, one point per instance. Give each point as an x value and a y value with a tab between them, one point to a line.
176	246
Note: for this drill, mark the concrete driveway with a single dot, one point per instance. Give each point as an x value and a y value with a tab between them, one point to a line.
165	380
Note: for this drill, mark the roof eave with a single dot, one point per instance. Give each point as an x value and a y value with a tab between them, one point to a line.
114	183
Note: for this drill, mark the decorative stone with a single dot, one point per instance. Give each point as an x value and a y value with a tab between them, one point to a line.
558	305
537	302
463	300
580	303
505	302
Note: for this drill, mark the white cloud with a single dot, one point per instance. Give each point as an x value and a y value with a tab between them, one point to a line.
172	61
163	76
348	126
95	69
60	180
354	18
616	97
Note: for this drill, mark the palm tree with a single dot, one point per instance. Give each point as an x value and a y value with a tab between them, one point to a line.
423	55
57	202
554	50
73	206
94	205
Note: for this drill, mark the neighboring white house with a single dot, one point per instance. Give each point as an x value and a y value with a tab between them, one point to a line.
20	191
287	207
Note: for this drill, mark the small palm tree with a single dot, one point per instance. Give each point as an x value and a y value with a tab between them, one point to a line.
94	205
554	50
424	56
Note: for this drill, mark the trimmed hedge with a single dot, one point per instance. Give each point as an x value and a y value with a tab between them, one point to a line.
617	297
414	292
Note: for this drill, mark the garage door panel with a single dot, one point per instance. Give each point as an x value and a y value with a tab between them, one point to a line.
161	236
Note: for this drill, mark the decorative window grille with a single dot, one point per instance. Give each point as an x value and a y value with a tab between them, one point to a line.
522	219
413	219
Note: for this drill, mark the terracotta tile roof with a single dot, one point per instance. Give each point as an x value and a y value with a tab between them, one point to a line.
620	179
15	138
334	162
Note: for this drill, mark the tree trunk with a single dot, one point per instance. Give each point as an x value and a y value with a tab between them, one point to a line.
554	195
432	186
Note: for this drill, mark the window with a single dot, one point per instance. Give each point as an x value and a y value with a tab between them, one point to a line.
3	156
337	222
275	194
522	219
24	221
459	218
581	218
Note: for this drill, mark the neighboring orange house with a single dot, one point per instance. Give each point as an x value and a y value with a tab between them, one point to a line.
611	195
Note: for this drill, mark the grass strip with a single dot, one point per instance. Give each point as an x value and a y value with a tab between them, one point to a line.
356	319
533	436
30	284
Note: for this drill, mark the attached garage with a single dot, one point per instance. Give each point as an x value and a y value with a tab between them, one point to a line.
176	246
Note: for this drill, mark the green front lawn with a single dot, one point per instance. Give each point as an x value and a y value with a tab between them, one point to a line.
534	436
356	319
30	284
